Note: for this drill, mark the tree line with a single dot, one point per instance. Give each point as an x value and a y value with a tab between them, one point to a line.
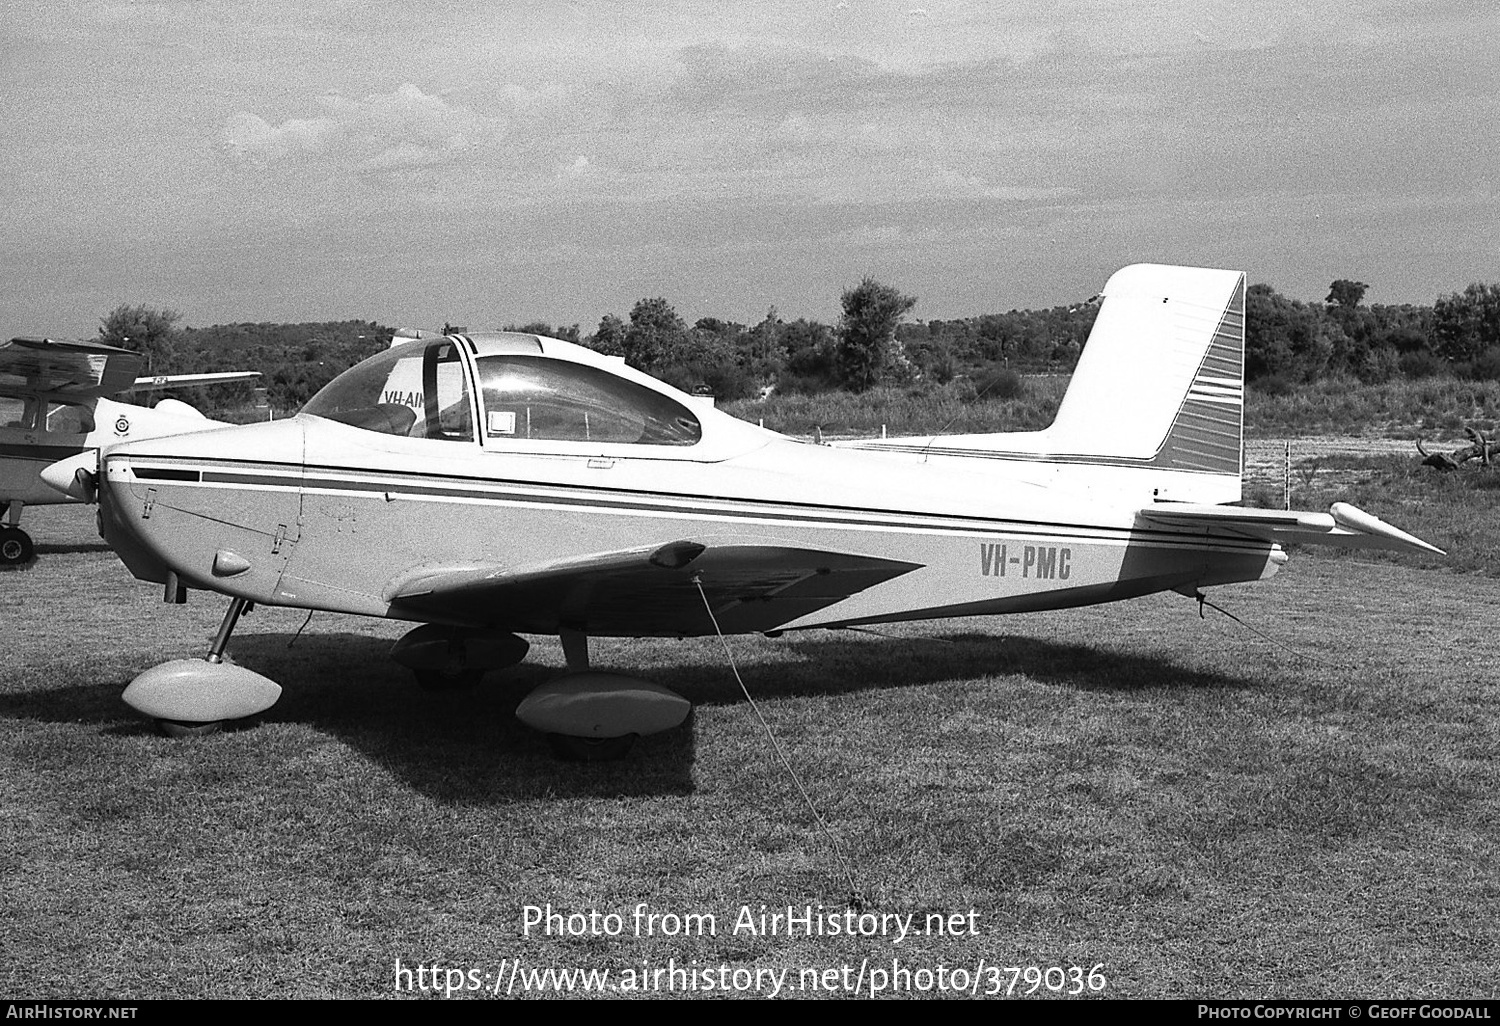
1287	342
295	360
870	345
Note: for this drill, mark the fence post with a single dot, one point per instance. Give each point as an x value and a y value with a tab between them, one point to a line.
1286	477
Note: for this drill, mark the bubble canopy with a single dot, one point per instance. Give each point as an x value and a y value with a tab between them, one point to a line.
424	389
533	397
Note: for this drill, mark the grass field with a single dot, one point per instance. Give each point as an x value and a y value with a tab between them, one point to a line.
1194	810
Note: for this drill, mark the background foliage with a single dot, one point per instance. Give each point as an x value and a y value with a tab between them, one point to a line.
1289	344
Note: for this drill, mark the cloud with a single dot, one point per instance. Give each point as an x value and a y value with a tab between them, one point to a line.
402	130
253	138
796	128
718	74
579	168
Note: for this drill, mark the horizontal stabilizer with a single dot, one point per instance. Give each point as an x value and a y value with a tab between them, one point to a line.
403	335
1343	525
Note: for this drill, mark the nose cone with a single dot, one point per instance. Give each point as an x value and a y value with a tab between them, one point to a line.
77	477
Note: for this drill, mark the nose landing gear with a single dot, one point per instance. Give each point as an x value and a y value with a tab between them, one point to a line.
190	697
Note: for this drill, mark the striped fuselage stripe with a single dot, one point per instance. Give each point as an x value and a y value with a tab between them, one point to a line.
336	480
40	453
1024	457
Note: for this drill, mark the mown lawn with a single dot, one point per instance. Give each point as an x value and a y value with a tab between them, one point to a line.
1194	809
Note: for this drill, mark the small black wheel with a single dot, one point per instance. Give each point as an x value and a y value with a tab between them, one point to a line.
571	748
15	547
448	680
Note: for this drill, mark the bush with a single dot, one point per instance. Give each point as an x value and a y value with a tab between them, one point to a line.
999	383
1273	385
1486	366
725	381
1377	364
1423	363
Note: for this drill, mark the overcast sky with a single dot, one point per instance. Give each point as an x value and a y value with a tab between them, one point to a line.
484	163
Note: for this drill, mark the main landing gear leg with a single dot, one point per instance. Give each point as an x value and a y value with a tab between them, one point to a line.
189	697
575	645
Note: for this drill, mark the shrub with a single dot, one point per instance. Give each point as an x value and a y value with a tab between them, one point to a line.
1273	384
1423	363
1486	366
999	383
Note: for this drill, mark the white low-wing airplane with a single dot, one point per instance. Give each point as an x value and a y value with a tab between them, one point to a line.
53	405
531	486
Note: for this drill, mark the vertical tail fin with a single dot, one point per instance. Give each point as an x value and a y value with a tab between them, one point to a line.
1161	380
1156	403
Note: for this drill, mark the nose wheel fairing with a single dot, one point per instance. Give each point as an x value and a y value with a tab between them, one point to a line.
189	697
197	693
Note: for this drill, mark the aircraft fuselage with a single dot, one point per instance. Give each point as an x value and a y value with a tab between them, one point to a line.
316	514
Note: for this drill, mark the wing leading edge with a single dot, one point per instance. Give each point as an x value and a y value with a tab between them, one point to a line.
1343	525
189	380
649	591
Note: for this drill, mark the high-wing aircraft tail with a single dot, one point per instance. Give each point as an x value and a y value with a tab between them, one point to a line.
1159	387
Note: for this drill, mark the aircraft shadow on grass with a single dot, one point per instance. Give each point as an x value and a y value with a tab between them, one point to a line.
67	548
468	747
46	549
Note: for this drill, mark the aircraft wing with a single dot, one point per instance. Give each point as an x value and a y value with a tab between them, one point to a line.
649	591
187	380
1343	525
80	369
